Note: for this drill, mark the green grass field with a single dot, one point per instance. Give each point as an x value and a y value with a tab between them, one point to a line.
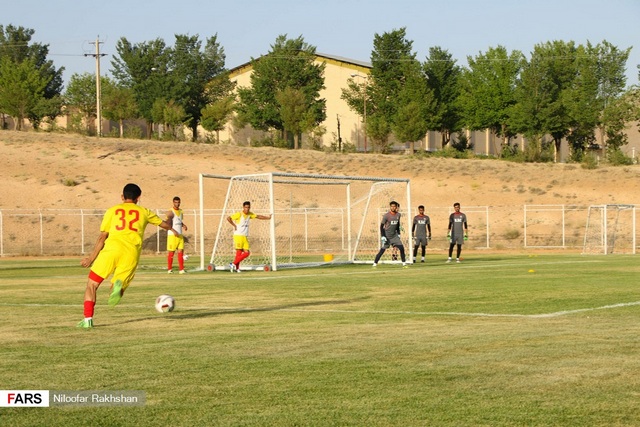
482	343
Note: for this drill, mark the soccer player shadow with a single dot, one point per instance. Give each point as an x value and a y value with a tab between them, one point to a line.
200	313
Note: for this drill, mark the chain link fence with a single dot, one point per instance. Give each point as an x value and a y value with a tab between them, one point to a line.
73	232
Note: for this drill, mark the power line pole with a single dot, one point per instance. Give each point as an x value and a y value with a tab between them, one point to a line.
98	55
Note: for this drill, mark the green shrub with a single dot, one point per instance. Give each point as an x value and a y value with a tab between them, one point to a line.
512	234
589	161
512	153
267	141
133	132
70	182
616	157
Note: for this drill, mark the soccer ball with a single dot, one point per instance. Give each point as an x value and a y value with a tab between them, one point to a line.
185	257
165	303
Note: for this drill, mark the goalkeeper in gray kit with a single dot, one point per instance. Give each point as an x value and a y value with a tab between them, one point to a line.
390	232
457	231
421	230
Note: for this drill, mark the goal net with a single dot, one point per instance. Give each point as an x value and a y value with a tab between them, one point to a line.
316	219
610	229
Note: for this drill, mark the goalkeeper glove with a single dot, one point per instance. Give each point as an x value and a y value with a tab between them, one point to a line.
383	240
466	237
429	236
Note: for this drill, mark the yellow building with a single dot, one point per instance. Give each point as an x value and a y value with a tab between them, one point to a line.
336	74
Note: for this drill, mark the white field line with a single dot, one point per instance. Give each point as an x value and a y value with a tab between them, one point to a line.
453	313
364	312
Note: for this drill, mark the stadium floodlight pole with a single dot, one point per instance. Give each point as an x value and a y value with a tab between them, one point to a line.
98	55
364	102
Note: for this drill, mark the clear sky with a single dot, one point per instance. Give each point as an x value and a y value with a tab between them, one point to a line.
248	28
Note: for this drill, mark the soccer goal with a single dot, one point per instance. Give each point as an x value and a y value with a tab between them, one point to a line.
316	219
610	229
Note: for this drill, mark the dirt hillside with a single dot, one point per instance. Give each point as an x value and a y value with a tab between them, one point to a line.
43	170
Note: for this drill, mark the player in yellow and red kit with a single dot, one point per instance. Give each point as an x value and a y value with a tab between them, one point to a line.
175	242
240	222
117	250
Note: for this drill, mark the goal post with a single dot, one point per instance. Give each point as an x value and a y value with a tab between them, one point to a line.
610	229
316	219
371	208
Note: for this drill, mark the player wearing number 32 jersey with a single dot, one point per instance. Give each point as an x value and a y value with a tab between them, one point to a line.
117	250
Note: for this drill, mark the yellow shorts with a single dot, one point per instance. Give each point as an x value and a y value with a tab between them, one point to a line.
175	242
116	260
240	242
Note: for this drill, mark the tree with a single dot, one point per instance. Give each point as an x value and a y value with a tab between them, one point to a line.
392	53
356	95
540	108
16	47
289	64
81	96
410	125
15	43
143	68
385	92
295	113
118	104
632	96
580	99
488	90
378	127
443	78
577	84
170	115
46	109
611	84
179	74
22	88
221	105
216	115
617	114
192	68
416	104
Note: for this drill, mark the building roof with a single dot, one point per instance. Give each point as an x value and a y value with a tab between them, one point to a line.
319	56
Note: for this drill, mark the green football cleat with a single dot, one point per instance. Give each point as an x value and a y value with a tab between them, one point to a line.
86	324
116	294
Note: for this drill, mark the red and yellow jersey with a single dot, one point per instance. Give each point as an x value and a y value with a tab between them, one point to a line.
242	222
176	221
126	223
